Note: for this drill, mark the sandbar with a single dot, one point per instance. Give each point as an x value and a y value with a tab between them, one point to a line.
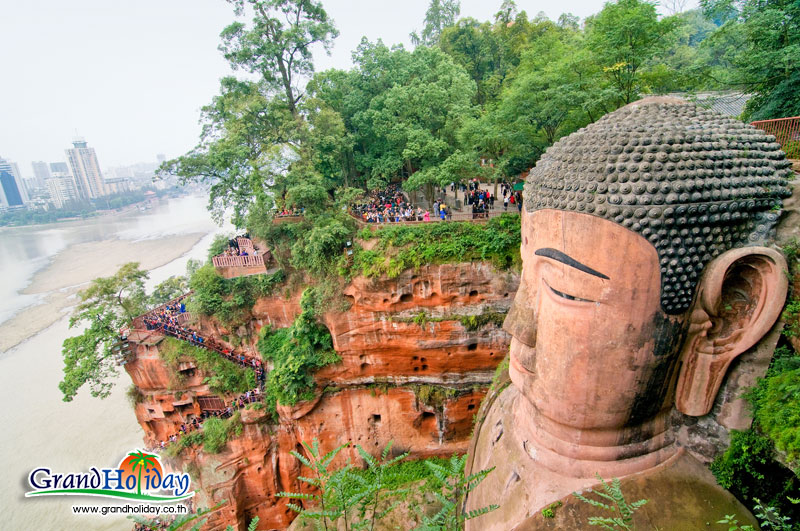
74	267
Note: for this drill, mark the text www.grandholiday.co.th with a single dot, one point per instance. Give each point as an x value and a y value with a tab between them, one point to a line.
142	509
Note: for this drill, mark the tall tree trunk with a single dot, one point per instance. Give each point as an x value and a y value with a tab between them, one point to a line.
287	85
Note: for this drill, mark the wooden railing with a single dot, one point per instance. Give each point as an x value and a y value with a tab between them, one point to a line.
786	132
287	219
238	261
246	244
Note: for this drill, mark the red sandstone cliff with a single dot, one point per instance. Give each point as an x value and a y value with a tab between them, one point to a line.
417	383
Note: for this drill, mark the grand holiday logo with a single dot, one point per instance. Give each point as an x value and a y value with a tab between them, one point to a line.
139	476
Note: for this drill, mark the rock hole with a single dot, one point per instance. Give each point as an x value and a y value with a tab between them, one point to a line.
422	360
505	295
416	369
424	367
375	419
350	299
428	415
406	297
491	354
385	301
364	366
415	358
470	407
472	346
473	293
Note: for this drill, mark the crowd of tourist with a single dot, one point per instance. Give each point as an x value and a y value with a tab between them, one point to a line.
387	205
390	205
286	212
167	319
234	249
196	423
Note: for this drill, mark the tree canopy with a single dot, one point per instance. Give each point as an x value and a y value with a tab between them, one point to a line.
106	306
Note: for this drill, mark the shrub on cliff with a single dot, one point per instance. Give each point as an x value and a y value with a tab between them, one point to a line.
296	352
749	467
224	376
216	432
229	300
401	247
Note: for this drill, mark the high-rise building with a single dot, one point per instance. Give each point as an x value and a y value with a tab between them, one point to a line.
83	161
62	189
41	172
59	167
12	190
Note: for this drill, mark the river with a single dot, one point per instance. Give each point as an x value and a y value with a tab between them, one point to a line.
49	263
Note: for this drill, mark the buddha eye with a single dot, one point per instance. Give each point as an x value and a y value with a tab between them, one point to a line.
565	295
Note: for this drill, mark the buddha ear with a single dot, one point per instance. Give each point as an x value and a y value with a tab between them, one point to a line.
740	296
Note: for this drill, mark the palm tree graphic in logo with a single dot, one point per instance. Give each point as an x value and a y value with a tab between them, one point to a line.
139	461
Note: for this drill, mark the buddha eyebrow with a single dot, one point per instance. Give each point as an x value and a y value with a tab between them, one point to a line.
558	256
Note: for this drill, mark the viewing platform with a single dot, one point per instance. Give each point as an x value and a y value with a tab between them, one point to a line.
254	262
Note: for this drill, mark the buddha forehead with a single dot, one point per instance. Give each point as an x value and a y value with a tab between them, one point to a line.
692	182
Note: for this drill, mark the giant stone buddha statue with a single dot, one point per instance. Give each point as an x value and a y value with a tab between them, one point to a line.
646	272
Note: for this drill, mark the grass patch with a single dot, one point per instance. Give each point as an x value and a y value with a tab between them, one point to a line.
402	247
470	322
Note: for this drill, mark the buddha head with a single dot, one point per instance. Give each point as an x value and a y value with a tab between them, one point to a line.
645	271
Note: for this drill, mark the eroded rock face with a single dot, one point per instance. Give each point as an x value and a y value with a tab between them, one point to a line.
415	381
378	337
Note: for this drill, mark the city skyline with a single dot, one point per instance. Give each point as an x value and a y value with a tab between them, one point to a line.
133	77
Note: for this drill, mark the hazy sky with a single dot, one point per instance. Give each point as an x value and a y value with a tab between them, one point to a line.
131	77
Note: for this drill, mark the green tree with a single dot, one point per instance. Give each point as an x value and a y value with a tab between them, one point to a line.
277	45
253	131
765	60
440	14
410	127
108	305
248	141
624	36
173	287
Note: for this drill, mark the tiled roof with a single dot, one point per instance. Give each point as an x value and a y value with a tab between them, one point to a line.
727	103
